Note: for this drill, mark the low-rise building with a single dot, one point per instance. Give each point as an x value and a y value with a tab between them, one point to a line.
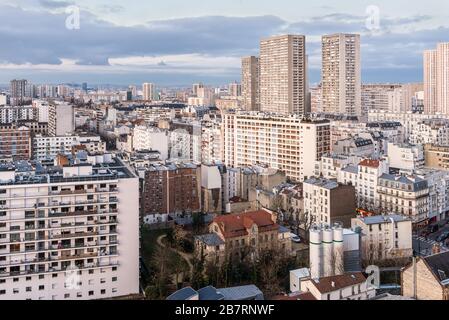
384	237
405	157
237	236
323	201
350	286
427	278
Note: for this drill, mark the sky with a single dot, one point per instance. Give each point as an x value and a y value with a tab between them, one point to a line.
179	42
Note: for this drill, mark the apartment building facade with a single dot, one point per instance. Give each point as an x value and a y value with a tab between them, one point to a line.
341	74
15	143
250	83
283	75
70	234
404	195
323	202
171	189
285	142
385	237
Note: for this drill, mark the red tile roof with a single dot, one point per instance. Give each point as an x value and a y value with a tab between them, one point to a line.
330	284
370	163
237	225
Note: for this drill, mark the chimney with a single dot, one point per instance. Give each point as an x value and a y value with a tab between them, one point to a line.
333	284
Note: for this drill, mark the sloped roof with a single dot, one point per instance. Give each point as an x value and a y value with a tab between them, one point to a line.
439	265
330	284
236	225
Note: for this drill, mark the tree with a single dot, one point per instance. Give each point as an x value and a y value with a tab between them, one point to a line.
268	264
198	222
161	277
198	271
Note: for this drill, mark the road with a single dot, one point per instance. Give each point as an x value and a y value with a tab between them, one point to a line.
424	246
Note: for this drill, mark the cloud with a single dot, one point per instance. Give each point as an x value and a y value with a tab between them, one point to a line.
53	4
38	40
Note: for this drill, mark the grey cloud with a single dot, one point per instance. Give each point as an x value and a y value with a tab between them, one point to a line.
53	4
41	38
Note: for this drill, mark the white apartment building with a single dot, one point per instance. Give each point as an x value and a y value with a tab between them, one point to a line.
148	91
323	201
10	114
369	172
438	181
316	105
283	72
331	164
185	141
45	147
283	142
211	142
442	83
69	234
383	97
3	99
385	237
430	82
341	77
405	157
434	132
404	195
436	79
151	138
250	83
408	120
43	110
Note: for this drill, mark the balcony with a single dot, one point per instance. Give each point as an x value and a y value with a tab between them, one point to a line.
53	270
74	235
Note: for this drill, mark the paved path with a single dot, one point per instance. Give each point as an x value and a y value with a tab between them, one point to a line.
184	255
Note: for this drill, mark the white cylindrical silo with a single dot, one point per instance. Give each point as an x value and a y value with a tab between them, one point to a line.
338	253
328	248
316	253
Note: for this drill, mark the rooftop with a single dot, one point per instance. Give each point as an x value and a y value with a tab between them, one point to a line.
384	219
335	283
323	183
237	225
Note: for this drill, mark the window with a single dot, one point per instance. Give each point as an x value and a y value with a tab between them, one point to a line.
2	292
28	289
103	291
41	288
91	293
67	296
114	279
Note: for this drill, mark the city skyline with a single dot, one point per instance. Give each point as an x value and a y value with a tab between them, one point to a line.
204	42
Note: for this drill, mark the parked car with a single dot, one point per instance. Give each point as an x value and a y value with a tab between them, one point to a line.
443	237
296	239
